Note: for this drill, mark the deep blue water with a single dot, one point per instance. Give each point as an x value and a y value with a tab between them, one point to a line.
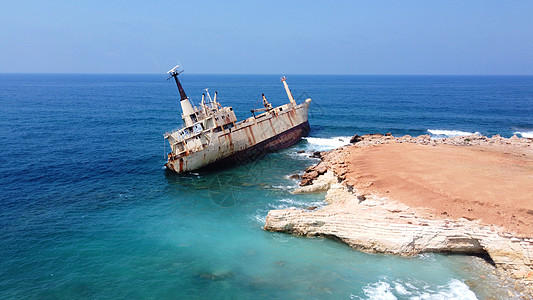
87	210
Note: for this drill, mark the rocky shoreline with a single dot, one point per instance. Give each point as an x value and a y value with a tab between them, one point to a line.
376	222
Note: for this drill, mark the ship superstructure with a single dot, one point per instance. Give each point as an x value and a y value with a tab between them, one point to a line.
212	136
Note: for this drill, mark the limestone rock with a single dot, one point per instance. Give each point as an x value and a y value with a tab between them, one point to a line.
320	184
383	226
378	224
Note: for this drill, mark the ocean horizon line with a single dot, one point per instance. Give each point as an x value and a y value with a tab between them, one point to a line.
278	74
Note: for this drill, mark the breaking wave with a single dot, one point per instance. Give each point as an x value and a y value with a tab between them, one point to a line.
284	203
293	203
259	218
441	133
324	144
525	134
306	155
427	256
284	187
399	289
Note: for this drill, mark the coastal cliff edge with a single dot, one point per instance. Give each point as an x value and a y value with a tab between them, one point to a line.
410	195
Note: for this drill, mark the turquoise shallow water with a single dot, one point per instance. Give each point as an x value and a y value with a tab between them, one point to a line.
88	211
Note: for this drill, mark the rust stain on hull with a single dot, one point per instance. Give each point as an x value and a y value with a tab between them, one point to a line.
272	126
291	115
278	142
251	134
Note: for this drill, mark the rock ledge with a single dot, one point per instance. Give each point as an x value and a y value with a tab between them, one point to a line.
373	223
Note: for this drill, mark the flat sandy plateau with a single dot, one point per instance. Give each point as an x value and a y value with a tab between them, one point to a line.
491	183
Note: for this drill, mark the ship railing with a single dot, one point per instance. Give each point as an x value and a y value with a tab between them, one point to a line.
187	134
169	133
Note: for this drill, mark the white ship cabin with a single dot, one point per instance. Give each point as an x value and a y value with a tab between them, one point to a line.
199	122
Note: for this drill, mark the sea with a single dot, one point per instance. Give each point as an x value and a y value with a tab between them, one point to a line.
88	211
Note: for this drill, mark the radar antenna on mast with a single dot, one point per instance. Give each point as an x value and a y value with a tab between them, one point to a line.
174	72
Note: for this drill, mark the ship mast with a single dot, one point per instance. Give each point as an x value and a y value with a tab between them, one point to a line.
189	117
289	93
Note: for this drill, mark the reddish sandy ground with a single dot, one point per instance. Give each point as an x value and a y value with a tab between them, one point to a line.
491	183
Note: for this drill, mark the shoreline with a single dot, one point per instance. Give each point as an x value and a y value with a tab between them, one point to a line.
410	195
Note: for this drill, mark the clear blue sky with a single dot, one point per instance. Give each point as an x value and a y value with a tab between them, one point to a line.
273	37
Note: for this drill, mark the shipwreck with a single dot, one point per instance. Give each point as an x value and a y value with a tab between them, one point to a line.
212	137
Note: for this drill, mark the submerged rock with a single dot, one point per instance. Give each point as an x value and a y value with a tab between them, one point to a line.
316	154
216	276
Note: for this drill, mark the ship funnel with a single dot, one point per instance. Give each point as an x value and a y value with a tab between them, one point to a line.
289	93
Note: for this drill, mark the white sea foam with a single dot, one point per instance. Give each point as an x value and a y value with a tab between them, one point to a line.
382	289
455	289
427	256
379	290
259	218
441	133
284	203
400	289
284	187
303	155
324	144
295	180
525	134
293	203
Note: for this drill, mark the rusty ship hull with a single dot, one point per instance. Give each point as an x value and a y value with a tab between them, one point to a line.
273	144
212	137
247	141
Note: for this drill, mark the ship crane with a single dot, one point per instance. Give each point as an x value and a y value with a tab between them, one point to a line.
266	104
